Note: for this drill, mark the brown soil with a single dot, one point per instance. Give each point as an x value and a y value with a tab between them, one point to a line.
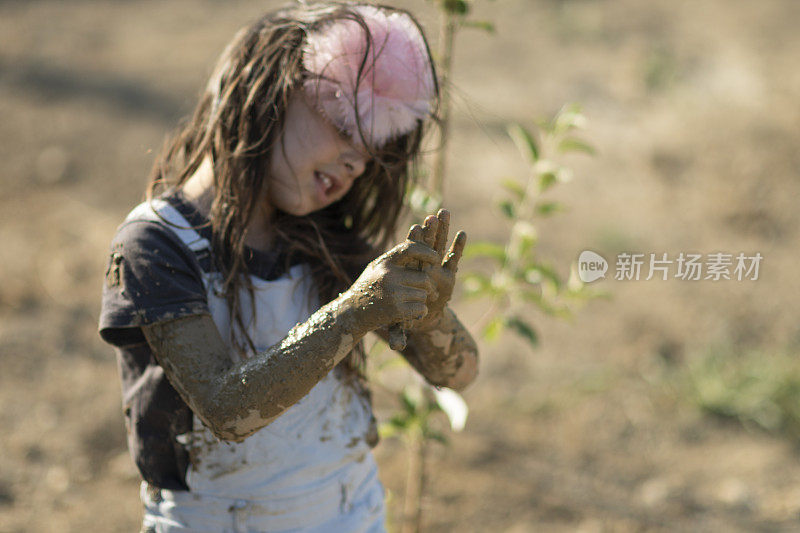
693	108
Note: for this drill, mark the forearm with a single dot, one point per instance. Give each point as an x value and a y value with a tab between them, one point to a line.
235	400
265	386
445	354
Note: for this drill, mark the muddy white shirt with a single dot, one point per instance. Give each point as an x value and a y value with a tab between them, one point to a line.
310	469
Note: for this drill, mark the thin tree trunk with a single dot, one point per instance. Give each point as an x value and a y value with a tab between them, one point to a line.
446	41
415	487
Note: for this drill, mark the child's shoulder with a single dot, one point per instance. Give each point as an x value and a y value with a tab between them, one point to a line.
152	273
168	218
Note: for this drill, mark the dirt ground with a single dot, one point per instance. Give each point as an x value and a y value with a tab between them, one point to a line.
693	108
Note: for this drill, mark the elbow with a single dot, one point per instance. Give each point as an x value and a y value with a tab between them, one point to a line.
223	430
238	427
464	377
222	434
219	426
465	374
217	419
225	413
226	431
212	412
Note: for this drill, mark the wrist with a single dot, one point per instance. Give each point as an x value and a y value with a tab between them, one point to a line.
353	313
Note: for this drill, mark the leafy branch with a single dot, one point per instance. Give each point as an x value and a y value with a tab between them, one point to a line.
519	277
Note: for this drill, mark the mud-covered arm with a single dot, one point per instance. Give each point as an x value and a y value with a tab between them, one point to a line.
439	347
236	399
446	355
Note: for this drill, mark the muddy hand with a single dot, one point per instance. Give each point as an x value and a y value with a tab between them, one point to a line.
442	272
397	332
392	288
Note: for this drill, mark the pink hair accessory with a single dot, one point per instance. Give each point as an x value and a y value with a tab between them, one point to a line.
396	88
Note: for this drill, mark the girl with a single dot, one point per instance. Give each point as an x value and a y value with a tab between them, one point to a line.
245	400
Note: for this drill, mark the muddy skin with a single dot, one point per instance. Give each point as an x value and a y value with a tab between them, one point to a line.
236	400
446	355
438	346
443	273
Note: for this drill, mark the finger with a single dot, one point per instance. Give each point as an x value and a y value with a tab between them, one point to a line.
397	337
442	278
414	310
415	233
456	249
410	294
441	234
418	280
433	296
407	253
429	227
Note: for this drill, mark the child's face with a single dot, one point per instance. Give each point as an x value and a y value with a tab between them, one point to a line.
313	164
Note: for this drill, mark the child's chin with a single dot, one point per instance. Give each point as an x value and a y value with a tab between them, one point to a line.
297	211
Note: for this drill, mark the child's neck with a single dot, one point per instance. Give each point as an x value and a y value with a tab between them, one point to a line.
199	191
260	235
199	188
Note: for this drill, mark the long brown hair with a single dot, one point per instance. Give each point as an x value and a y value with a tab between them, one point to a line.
238	122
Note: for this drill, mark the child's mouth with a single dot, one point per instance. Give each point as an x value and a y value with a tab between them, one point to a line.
326	184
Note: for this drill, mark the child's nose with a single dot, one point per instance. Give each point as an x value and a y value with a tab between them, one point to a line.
354	163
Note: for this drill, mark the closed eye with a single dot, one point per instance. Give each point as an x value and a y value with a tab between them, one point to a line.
355	143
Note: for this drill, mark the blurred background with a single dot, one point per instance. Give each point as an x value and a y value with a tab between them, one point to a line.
668	406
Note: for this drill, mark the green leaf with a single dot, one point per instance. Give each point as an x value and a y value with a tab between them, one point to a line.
387	430
399	421
568	118
484	25
548	208
547	126
409	403
526	236
456	7
513	186
507	208
545	272
486	249
547	180
523	329
493	329
571	144
390	363
525	142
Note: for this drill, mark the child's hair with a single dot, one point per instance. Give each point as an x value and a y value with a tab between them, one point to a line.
237	123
